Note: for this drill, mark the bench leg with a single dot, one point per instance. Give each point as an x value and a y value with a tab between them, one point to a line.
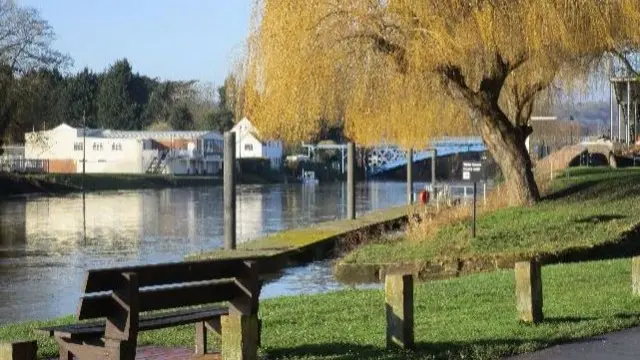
239	337
201	338
65	354
120	350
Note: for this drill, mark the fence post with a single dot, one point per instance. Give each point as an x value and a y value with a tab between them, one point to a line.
484	193
410	176
229	183
398	295
351	183
529	291
434	160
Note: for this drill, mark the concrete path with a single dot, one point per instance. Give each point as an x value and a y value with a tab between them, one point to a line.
622	345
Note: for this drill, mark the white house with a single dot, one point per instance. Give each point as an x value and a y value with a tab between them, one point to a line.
249	144
66	148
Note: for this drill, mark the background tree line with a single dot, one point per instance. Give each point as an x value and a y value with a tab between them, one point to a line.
36	92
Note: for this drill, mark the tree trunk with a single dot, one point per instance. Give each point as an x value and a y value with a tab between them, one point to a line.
505	143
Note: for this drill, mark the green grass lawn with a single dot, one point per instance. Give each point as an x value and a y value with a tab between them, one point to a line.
472	317
588	206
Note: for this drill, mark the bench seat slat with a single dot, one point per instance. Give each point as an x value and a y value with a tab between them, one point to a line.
149	322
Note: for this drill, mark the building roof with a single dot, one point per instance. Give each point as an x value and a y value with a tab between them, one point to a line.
119	134
122	134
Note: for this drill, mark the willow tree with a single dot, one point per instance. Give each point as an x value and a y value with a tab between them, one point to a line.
406	71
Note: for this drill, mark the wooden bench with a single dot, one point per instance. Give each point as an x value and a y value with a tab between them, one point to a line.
118	296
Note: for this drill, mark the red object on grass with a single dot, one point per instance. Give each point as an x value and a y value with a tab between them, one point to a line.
424	197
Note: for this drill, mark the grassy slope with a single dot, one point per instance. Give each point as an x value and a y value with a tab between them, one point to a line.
471	317
588	207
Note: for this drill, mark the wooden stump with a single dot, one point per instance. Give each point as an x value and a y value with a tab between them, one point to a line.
398	294
22	350
529	291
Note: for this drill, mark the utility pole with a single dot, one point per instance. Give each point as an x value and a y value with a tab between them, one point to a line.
84	146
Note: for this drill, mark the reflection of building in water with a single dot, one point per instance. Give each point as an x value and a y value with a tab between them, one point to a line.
171	213
259	211
55	224
12	229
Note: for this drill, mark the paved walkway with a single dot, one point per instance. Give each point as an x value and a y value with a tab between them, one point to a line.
622	345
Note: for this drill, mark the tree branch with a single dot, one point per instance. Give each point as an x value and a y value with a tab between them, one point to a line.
625	62
384	46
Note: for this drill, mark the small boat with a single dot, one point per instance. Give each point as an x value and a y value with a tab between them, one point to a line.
309	177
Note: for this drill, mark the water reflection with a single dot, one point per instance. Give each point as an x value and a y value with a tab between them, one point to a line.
46	243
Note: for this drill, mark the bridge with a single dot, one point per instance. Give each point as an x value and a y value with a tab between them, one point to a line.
387	157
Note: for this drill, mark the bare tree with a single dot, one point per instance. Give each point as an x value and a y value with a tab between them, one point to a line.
25	44
26	38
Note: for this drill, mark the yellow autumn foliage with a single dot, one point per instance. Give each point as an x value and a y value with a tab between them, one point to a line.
378	64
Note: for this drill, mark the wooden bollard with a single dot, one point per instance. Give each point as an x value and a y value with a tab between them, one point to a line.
529	291
23	350
398	295
635	275
229	191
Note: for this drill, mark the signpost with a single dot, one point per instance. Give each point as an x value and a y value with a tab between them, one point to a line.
473	171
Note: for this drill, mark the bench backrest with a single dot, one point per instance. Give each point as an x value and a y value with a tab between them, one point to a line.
120	294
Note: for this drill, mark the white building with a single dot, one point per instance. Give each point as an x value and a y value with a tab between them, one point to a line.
65	148
249	145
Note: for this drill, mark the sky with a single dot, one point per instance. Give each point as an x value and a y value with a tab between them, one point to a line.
171	40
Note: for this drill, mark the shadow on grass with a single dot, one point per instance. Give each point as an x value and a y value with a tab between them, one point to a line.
599	219
571	190
567	319
481	348
437	350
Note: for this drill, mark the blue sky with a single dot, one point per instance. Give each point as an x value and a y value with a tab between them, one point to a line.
173	40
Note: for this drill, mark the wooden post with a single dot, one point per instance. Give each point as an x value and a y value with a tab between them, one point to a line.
201	338
529	291
121	330
635	275
398	295
628	129
239	337
241	328
351	181
23	350
410	176
229	183
434	160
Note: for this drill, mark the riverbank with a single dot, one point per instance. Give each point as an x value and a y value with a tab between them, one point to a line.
471	317
326	239
590	213
55	184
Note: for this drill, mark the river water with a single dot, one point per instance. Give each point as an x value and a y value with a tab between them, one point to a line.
46	243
